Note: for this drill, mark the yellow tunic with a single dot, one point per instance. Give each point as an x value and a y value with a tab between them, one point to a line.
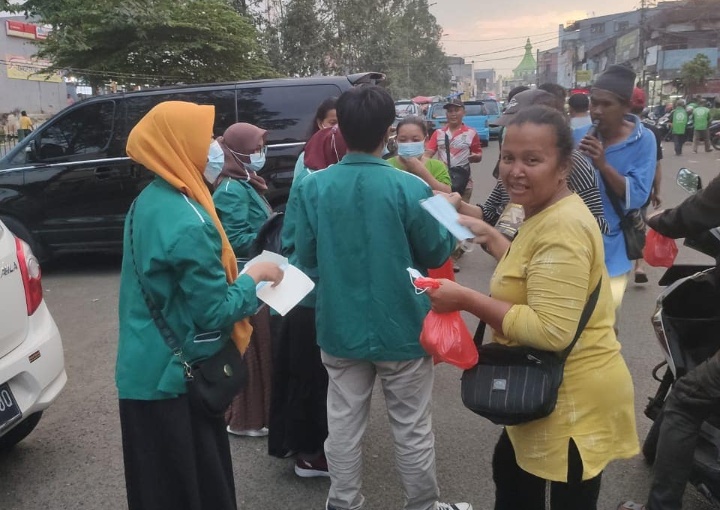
549	272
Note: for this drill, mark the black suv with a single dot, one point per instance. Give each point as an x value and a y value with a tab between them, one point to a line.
68	186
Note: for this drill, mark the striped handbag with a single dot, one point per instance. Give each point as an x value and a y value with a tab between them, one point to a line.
513	385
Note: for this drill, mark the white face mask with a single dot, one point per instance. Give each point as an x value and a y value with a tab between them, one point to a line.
215	162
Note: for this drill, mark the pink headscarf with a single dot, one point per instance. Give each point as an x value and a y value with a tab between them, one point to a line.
242	138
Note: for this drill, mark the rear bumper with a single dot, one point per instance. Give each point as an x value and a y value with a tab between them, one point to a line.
34	380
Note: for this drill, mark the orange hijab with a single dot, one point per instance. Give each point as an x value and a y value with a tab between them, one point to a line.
172	141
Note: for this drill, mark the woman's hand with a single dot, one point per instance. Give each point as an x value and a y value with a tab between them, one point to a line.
266	272
412	165
449	297
484	232
454	198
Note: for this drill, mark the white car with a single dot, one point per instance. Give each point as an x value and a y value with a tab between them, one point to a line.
32	364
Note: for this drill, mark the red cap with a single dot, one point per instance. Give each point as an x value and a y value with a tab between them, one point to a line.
638	98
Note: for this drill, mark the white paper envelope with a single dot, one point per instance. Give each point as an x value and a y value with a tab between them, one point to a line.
294	286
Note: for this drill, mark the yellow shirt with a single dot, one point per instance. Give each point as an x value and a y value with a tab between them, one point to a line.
549	271
25	122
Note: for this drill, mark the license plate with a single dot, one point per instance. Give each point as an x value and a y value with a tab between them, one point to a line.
9	409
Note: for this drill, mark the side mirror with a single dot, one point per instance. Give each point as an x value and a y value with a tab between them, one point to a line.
689	181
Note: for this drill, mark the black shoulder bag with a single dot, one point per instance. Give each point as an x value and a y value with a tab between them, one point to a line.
269	236
513	385
211	383
632	225
459	175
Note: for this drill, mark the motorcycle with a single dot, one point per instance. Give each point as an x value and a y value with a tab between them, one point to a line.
715	134
686	322
664	127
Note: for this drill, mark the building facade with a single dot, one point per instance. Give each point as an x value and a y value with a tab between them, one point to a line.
23	84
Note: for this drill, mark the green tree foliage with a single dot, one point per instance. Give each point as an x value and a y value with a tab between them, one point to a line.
397	37
693	74
149	41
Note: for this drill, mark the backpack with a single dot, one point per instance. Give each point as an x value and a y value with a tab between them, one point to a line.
269	236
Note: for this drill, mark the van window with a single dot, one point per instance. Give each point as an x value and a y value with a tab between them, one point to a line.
86	130
223	100
286	112
491	108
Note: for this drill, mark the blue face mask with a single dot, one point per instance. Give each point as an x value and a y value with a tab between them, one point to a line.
216	160
411	149
257	161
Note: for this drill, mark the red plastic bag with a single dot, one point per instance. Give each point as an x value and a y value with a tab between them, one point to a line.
659	251
445	271
446	338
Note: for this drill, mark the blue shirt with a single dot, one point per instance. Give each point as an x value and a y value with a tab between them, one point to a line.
634	158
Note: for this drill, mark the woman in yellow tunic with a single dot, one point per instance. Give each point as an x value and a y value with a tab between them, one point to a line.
539	289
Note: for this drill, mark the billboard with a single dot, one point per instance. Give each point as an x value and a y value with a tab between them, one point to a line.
627	47
23	68
26	30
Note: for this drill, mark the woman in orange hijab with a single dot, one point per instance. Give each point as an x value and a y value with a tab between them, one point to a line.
176	255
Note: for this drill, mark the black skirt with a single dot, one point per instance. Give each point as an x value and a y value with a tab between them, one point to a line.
175	457
298	406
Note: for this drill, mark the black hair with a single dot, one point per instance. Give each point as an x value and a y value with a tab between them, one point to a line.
23	113
515	91
329	104
579	102
364	115
415	120
556	90
547	116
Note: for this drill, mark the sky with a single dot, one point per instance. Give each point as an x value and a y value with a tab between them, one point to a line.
493	33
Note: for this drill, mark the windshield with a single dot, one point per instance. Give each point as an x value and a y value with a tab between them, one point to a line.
474	109
402	110
491	108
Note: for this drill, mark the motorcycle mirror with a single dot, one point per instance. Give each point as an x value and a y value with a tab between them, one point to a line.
688	180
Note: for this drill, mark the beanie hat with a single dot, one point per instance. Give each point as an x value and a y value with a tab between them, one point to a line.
619	80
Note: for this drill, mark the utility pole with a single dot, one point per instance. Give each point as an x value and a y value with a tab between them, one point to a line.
641	43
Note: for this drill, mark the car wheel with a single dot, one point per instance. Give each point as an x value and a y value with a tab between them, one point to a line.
20	432
19	230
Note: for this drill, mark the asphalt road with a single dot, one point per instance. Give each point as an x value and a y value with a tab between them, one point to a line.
73	459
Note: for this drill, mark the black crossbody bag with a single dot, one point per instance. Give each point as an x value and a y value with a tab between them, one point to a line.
632	225
459	175
211	383
514	385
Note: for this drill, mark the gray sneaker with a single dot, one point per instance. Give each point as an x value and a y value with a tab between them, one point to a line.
453	506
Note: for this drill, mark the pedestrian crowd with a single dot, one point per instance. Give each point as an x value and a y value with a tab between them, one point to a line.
554	222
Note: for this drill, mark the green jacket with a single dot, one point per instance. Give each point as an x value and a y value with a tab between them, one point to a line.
242	212
679	120
288	231
361	224
701	116
177	252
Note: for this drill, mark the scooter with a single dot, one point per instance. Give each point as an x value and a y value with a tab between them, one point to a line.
715	134
686	322
663	125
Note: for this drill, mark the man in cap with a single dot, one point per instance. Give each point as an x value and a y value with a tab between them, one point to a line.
624	155
464	148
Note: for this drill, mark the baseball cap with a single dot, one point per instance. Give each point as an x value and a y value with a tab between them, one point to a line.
638	98
534	97
455	101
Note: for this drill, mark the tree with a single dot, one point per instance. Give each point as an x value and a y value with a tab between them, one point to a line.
149	41
693	74
304	40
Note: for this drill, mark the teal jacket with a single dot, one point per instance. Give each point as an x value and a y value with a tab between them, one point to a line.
177	252
288	231
361	224
242	212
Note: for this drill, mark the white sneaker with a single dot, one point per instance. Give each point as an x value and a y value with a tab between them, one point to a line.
249	433
453	506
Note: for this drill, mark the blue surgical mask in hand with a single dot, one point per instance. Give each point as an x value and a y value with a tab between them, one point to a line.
216	160
411	149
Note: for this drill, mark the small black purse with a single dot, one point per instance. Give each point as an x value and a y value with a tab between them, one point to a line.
513	385
211	383
632	225
459	175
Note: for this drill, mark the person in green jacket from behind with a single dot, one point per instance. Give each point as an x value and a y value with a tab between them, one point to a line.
361	224
176	253
238	195
701	116
242	209
679	120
